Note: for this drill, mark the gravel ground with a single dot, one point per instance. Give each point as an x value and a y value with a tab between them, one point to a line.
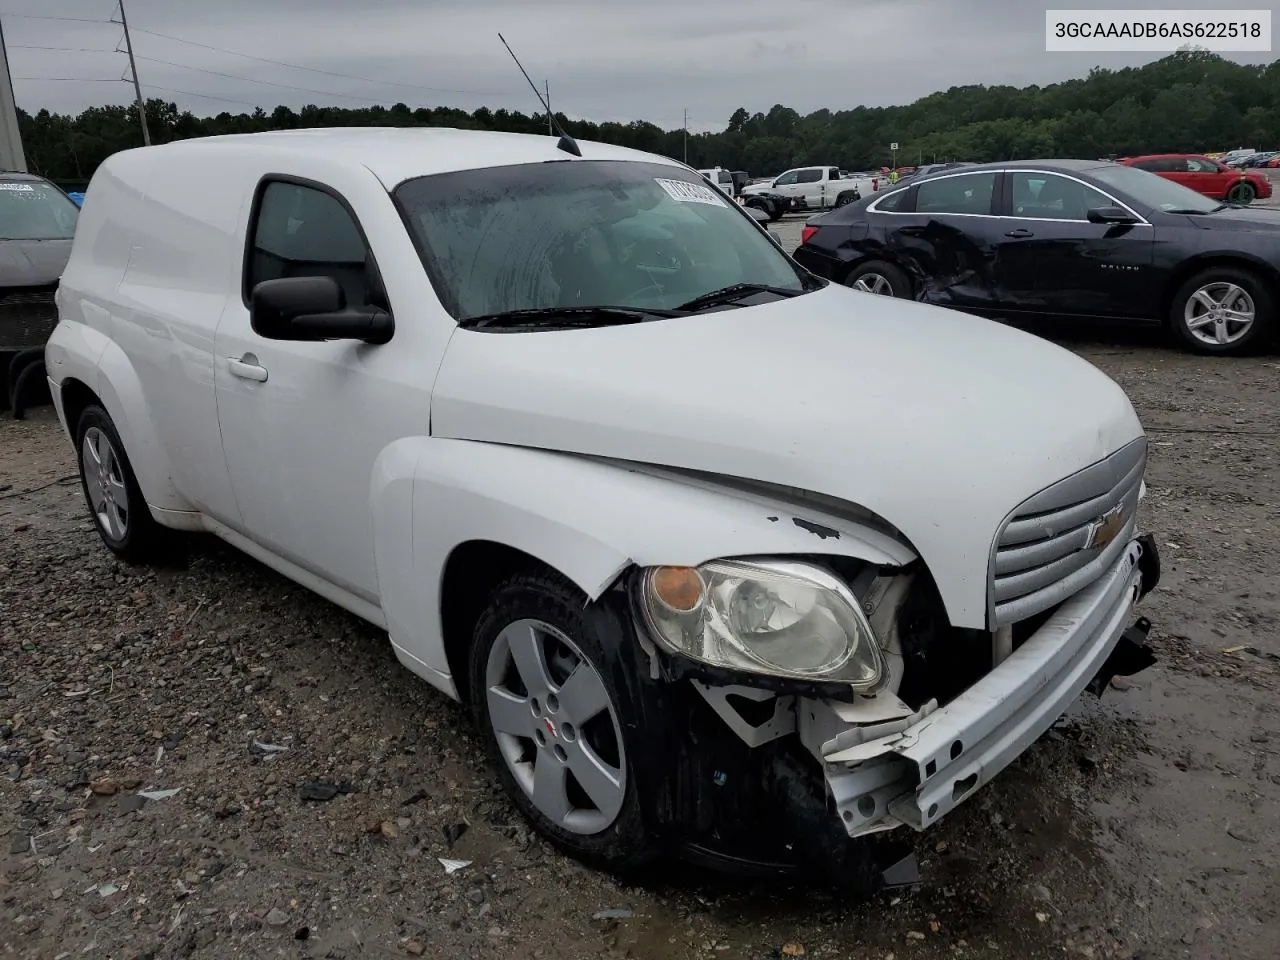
1143	825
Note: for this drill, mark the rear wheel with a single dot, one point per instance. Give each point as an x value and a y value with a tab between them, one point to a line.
120	512
1222	310
847	197
1242	192
879	278
543	691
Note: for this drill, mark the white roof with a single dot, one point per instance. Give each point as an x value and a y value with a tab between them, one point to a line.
396	154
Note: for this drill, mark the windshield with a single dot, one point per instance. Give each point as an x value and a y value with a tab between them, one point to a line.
584	233
35	211
1153	190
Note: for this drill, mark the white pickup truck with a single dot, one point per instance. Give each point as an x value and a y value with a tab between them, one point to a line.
717	554
817	188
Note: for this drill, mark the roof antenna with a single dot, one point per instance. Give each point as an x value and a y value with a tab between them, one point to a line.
567	143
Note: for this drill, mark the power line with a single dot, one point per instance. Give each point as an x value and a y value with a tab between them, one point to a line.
75	79
327	73
28	46
203	96
33	16
270	83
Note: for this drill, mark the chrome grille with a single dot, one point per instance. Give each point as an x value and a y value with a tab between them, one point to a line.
1060	540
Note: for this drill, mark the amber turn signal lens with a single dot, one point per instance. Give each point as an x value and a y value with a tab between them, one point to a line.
680	588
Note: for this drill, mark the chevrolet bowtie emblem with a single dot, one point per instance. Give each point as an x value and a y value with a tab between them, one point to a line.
1106	528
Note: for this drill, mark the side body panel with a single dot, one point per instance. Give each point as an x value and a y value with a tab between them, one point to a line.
182	270
84	345
301	445
586	518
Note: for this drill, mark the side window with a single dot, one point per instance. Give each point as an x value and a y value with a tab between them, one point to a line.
1200	166
301	231
1044	196
967	193
788	178
891	203
1149	165
724	176
812	175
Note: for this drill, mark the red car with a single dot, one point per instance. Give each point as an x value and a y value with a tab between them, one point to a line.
1209	177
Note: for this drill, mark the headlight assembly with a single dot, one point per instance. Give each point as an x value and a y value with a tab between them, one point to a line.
777	618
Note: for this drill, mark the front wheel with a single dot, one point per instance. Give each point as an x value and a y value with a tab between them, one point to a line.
544	693
1242	192
879	278
1222	310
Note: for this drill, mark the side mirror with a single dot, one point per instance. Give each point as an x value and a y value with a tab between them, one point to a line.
1110	215
314	309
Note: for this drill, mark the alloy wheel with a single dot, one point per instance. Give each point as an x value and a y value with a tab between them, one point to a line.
104	482
1219	313
556	726
874	283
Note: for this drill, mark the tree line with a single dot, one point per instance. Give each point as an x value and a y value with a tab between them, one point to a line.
1190	101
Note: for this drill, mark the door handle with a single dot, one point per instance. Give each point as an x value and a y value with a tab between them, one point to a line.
1019	233
247	368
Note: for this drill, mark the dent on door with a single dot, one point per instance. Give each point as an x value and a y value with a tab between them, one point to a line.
947	265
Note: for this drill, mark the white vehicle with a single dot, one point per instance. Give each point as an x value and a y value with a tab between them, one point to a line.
720	555
819	187
1238	156
722	178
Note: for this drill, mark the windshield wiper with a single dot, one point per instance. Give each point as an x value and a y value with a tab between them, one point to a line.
559	318
736	291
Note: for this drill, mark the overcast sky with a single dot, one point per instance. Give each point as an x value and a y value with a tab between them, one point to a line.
604	59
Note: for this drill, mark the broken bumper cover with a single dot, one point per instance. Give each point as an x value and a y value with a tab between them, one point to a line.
938	757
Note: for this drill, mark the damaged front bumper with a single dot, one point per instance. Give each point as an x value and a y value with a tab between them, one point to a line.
888	770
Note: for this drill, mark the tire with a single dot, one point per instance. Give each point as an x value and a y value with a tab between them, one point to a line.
847	197
529	721
132	534
1233	289
880	278
30	386
1242	192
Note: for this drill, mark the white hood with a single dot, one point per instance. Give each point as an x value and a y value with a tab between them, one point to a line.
937	421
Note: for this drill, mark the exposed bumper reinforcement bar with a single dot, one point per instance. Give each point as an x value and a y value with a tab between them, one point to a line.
933	761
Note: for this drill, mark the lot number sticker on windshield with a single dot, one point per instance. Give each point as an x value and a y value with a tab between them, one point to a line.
18	187
690	192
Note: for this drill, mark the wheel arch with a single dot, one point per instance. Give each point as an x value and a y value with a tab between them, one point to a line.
77	396
880	256
453	518
1205	261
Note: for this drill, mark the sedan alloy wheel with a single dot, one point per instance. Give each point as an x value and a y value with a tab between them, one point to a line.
874	283
1219	313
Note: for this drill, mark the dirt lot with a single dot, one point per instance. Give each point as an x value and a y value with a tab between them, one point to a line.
1144	825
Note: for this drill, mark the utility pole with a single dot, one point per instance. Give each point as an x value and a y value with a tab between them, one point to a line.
686	135
551	129
11	155
133	68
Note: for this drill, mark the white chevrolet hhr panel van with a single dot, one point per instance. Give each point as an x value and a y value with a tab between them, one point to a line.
721	556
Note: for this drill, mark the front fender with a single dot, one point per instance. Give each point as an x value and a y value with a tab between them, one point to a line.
587	519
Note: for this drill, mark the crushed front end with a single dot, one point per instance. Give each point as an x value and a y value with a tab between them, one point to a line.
795	766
